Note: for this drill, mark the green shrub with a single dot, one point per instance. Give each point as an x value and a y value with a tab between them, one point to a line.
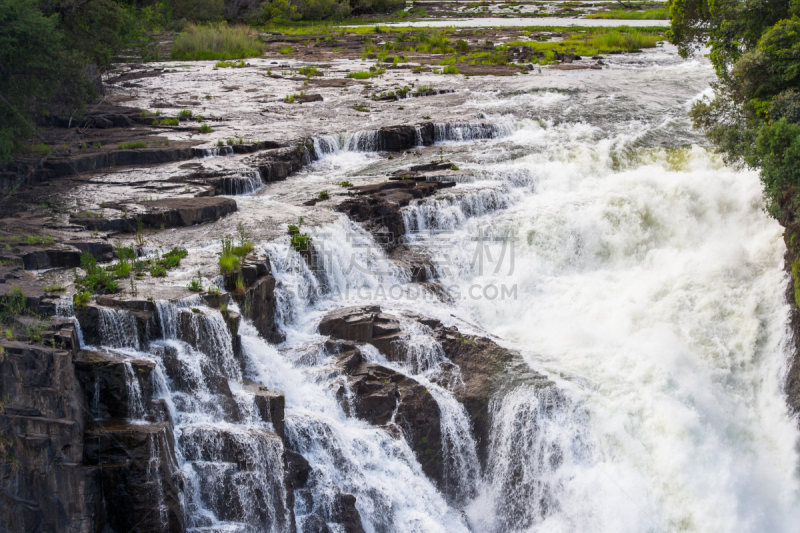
185	113
81	299
324	195
198	10
661	13
166	122
158	271
217	41
205	128
173	258
360	75
286	50
450	70
299	241
12	304
345	183
121	269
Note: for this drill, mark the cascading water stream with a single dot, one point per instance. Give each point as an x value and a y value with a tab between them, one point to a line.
648	287
247	182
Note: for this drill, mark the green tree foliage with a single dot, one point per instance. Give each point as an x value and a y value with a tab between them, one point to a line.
46	48
35	68
754	117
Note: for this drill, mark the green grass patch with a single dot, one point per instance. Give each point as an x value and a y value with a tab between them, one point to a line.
360	75
185	113
205	128
231	64
286	50
661	13
796	281
450	70
166	122
217	41
625	40
132	145
309	71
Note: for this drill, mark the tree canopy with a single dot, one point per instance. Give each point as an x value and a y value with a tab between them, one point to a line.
754	117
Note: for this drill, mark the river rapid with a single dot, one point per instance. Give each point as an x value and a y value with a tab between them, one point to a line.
593	232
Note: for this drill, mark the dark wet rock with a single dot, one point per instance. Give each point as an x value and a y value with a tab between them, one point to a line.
108	384
566	58
58	166
270	406
44	487
258	301
305	98
278	164
138	476
190	211
484	368
377	392
378	206
399	138
362	324
166	213
299	469
233	320
57	256
346	515
419	264
215	299
101	250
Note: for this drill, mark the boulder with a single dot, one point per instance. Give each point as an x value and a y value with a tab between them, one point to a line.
363	324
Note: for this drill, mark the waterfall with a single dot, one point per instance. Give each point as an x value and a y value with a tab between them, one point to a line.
64	307
418	135
538	441
118	329
359	141
234	474
136	409
450	213
462	468
471	131
247	182
216	151
202	328
347	259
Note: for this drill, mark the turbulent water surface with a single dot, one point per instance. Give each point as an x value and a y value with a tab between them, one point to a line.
594	233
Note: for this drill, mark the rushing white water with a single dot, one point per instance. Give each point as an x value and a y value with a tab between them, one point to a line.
651	279
590	231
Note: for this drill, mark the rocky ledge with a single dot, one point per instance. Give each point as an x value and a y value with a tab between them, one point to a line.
475	371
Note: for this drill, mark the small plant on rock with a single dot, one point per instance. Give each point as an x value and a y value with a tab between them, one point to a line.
196	284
